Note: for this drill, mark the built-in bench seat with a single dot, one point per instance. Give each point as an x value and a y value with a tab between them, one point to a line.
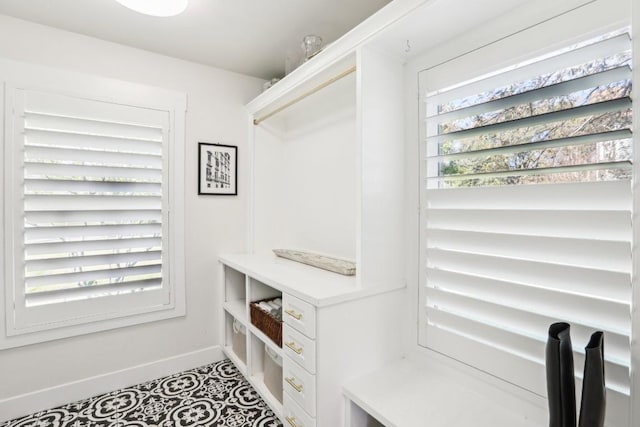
411	393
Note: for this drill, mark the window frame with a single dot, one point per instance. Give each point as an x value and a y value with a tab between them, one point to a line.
16	75
598	20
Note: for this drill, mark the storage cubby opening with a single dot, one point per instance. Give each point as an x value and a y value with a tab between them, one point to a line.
265	371
235	285
259	291
269	324
257	357
361	418
236	340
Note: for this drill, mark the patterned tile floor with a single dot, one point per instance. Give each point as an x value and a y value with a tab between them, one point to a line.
212	395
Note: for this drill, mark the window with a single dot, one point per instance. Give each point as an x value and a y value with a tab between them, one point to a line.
527	213
91	236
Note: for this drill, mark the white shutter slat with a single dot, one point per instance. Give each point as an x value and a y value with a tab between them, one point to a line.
83	108
582	82
83	217
67	249
556	276
557	160
572	58
546	302
469	152
83	279
80	202
40	138
573	173
519	332
92	157
66	295
88	233
579	252
97	187
483	330
71	125
584	112
81	261
39	170
590	196
571	224
529	314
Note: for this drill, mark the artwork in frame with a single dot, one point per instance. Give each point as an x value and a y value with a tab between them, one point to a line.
217	169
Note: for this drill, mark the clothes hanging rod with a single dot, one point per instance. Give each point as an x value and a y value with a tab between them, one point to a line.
304	95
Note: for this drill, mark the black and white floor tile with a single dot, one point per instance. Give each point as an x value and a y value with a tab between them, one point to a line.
212	395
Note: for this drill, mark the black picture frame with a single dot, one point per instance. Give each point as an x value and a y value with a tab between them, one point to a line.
217	169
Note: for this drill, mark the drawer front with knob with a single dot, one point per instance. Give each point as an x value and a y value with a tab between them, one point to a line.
299	314
299	385
299	348
295	416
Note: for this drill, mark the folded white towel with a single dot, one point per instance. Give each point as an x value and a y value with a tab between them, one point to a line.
265	307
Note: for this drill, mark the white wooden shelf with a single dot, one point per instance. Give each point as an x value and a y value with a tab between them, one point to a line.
238	310
265	339
313	285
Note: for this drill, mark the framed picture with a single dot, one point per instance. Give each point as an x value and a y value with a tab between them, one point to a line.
217	169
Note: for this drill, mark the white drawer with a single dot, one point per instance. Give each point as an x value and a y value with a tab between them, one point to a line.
299	314
294	415
299	348
299	385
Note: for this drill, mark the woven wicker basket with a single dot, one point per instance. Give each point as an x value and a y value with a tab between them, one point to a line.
268	324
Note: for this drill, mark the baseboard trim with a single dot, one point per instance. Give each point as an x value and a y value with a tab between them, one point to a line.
25	404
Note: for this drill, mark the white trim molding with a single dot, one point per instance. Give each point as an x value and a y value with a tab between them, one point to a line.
28	403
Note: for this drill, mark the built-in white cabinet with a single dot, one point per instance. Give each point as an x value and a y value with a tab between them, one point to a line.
327	174
333	330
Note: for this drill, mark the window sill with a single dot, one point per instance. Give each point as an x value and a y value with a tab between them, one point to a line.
37	337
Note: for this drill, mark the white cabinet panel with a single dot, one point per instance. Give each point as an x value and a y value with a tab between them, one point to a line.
300	386
299	348
299	314
294	415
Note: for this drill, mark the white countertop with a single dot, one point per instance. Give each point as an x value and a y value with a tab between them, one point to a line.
313	285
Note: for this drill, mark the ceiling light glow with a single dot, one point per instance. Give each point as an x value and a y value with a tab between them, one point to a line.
161	8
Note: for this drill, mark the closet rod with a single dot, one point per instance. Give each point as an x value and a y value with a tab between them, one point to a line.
304	95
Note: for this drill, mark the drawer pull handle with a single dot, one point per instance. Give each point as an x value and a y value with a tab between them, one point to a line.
292	383
292	346
294	314
292	421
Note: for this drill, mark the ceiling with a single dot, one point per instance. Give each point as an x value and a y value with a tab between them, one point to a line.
252	37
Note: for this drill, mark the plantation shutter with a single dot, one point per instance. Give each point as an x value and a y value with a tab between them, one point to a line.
93	201
527	214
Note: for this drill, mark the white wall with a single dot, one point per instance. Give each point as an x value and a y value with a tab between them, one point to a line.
214	224
305	175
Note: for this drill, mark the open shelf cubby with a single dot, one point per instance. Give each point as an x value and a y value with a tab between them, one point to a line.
239	360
